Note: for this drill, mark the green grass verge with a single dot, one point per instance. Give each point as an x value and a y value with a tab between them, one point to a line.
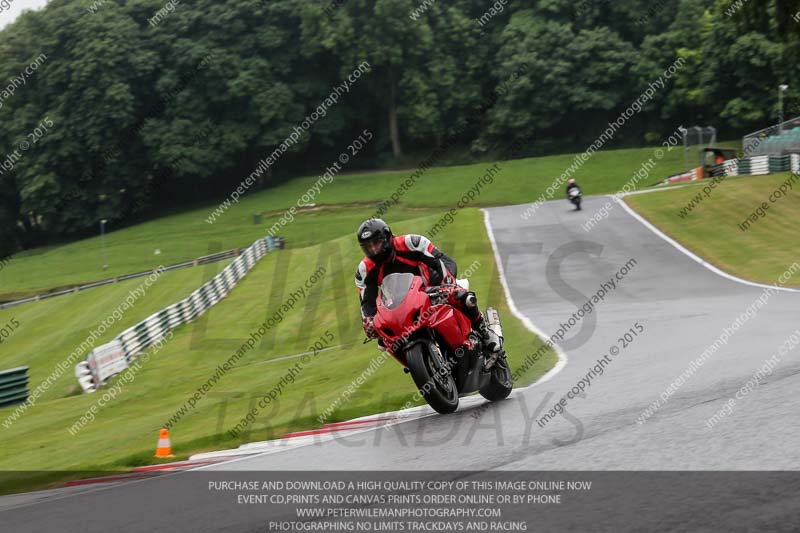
187	235
761	253
125	431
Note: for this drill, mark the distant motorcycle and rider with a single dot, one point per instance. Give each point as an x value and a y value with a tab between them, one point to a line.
427	319
574	194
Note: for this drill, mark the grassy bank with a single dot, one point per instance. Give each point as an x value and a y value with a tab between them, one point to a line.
188	235
761	252
125	430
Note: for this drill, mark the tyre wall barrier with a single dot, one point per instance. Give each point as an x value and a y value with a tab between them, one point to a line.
13	387
758	165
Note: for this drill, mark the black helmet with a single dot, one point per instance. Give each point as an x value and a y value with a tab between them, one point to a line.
375	239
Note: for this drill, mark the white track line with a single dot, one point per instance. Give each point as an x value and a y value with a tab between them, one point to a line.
560	364
306	444
562	357
648	191
694	256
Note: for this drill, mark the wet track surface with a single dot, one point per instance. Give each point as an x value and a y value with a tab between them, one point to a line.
672	308
553	266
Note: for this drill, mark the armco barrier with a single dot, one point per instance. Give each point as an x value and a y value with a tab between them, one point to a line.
220	256
117	355
13	387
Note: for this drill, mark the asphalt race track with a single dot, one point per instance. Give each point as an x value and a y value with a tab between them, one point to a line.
683	308
677	308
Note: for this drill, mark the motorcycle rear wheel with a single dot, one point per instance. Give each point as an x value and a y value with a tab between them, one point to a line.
434	381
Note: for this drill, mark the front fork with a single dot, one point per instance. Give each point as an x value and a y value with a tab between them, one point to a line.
492	318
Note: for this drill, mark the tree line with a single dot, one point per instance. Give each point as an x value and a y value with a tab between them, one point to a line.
106	115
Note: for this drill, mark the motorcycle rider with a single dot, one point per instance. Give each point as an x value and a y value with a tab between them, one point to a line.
388	254
571	184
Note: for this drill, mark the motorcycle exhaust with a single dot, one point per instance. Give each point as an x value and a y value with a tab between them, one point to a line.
493	321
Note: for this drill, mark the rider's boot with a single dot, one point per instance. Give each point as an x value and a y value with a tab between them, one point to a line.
490	339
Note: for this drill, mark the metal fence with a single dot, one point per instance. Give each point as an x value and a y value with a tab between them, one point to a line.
700	137
220	256
780	139
112	358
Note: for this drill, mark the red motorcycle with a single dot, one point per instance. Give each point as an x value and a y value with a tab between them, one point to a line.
435	343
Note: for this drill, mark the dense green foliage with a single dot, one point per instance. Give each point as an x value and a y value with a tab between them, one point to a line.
140	103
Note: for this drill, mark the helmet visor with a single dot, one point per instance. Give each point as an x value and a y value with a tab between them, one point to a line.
374	246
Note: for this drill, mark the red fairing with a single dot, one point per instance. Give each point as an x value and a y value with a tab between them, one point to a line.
395	326
451	324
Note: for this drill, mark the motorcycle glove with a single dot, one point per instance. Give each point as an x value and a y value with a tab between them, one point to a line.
369	327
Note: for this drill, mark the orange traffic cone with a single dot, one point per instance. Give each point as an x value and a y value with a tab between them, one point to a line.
164	448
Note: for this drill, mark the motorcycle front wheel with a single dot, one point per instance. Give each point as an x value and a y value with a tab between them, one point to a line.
501	383
433	377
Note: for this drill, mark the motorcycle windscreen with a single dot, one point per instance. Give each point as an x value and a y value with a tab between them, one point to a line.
394	289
